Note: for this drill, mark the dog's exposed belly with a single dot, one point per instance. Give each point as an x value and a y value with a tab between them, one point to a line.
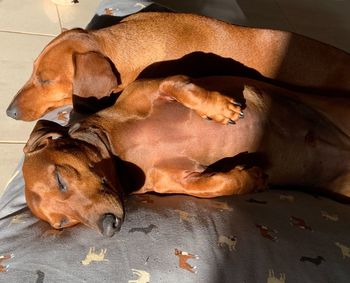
301	147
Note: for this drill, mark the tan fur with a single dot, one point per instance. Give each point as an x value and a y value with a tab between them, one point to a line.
156	128
144	39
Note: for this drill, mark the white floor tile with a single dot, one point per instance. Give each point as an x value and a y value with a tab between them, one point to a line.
33	16
18	52
77	15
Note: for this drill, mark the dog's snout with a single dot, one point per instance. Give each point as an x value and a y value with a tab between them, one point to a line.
12	112
110	224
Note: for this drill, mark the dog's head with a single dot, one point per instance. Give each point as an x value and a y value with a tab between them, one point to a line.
69	181
70	64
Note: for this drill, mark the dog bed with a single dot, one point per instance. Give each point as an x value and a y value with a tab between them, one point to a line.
275	236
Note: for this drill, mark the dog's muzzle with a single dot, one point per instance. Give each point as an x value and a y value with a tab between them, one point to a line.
12	111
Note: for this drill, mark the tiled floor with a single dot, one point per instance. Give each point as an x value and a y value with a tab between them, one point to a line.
27	25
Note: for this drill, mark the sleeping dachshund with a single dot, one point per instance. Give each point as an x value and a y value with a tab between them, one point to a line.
185	136
139	45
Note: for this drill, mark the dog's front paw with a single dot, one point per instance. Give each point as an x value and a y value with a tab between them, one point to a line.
221	109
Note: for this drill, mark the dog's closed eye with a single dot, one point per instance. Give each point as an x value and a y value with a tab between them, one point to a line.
60	182
42	81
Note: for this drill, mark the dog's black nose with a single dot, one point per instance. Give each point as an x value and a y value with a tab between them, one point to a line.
110	224
12	112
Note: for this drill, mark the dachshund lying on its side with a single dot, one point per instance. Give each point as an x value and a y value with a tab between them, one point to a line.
157	128
118	54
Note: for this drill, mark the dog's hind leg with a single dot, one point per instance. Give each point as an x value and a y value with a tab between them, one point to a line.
206	185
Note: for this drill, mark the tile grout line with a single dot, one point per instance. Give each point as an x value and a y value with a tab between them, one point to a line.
59	18
12	142
28	33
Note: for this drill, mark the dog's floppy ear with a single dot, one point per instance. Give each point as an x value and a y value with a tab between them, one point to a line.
95	80
43	132
93	135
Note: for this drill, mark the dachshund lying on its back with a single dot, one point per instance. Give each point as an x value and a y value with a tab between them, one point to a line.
158	129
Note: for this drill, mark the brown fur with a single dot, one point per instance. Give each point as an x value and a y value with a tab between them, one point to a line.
123	52
156	128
